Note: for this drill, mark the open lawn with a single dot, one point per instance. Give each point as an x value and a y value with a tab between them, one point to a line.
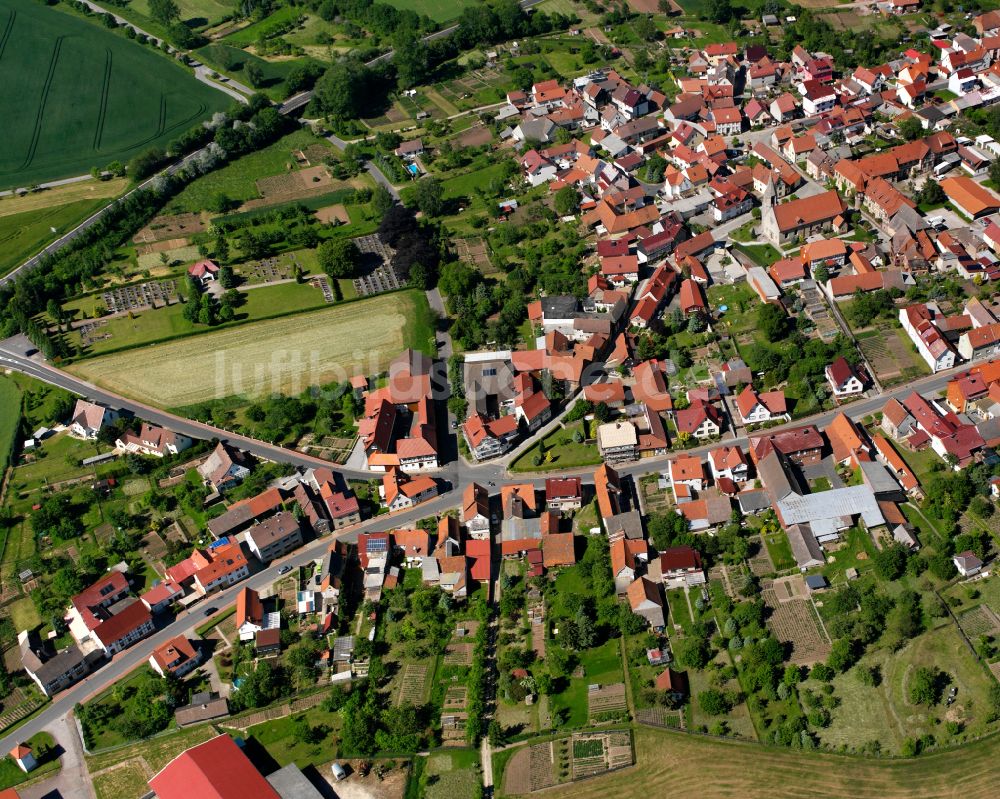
449	775
437	10
561	452
885	713
238	180
56	462
676	764
76	95
601	665
280	355
278	737
162	324
10	416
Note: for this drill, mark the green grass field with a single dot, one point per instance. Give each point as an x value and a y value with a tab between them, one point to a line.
437	10
251	33
77	96
232	60
283	355
10	416
194	13
601	665
149	327
23	235
238	179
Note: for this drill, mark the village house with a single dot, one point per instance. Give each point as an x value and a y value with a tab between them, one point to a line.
843	378
681	567
225	468
274	537
757	408
176	657
89	419
476	511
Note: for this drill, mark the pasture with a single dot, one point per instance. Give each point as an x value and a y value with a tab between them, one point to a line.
284	355
676	764
77	96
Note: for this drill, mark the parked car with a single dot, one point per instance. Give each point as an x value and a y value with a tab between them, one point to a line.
284	569
210	611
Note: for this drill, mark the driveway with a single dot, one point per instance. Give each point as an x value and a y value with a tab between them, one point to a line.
73	779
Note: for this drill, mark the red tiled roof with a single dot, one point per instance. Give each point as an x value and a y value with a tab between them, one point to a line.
216	769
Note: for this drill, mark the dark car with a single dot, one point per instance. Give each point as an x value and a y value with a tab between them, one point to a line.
284	570
210	611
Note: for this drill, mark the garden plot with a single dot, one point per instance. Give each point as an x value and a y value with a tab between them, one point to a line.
891	357
530	769
476	136
606	699
760	561
977	621
333	213
166	228
473	252
412	684
162	246
182	255
585	754
458	654
295	185
793	621
594	753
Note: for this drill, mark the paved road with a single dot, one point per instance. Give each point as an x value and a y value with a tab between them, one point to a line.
186	623
52	184
456	476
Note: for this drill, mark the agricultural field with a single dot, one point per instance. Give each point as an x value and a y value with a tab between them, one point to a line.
281	355
83	97
437	10
29	222
22	234
679	765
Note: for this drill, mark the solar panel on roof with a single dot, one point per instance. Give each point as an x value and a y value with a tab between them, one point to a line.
377	545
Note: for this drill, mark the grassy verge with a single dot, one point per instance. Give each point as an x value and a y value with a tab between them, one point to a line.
10	418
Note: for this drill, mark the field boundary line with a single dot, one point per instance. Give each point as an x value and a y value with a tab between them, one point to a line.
7	30
103	107
46	88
